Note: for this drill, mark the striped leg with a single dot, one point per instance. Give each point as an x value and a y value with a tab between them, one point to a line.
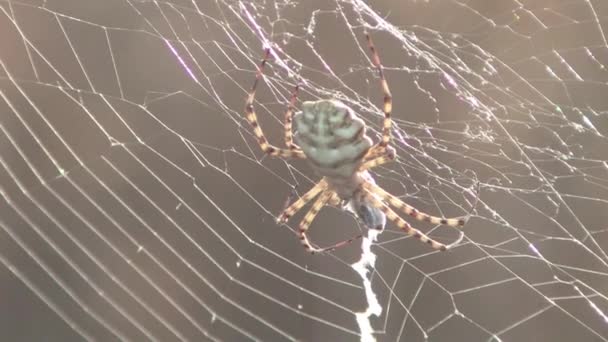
325	197
309	217
335	200
257	130
288	119
378	159
402	224
388	99
411	211
301	202
374	152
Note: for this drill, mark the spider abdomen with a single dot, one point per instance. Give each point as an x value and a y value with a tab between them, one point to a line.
333	139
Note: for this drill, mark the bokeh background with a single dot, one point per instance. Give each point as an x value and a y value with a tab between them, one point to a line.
136	204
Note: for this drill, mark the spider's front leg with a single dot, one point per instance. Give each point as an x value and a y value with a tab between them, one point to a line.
292	151
413	212
327	197
301	202
309	217
289	122
375	201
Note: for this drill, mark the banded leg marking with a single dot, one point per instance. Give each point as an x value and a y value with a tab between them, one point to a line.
401	223
253	120
301	202
309	217
413	212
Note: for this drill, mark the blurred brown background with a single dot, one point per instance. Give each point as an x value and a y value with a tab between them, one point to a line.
137	206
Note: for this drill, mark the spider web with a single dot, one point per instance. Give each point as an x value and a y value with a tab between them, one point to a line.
136	204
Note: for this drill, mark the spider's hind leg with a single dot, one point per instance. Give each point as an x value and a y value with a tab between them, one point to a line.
288	119
301	202
257	130
378	156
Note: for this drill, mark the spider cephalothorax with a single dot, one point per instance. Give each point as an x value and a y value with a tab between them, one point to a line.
334	141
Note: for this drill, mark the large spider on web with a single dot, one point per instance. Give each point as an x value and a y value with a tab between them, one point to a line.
332	138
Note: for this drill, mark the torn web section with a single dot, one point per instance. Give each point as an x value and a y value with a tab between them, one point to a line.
136	203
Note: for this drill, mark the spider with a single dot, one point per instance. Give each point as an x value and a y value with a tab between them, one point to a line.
333	139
